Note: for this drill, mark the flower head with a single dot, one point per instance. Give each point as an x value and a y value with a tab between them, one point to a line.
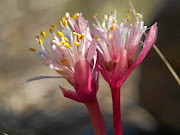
118	45
73	55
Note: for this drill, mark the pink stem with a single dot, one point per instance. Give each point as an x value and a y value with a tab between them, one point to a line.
96	117
116	110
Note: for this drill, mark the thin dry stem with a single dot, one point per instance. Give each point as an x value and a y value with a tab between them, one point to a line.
3	133
166	62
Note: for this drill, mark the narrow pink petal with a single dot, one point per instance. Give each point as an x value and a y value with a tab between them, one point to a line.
70	94
92	50
73	25
95	80
148	43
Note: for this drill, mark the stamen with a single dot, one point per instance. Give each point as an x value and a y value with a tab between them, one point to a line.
76	34
41	33
60	34
65	22
77	14
40	41
73	16
110	36
97	38
127	17
67	45
52	25
105	17
115	11
63	60
82	36
76	43
62	42
67	14
94	15
129	12
51	30
56	44
139	15
37	37
113	27
79	37
60	22
64	18
32	49
66	39
103	24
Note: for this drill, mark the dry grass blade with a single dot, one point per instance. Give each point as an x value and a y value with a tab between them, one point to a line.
3	133
167	63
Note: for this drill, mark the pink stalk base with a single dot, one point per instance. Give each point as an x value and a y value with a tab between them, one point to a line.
116	110
96	117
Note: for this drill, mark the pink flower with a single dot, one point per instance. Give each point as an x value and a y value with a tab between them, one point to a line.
118	45
73	55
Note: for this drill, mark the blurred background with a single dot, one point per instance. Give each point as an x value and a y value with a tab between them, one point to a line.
150	97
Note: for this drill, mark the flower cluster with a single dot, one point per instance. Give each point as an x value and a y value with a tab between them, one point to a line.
118	44
78	54
73	55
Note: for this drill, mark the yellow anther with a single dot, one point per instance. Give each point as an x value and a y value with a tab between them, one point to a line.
64	18
41	33
76	34
94	15
40	41
37	37
127	17
67	14
77	14
56	44
139	15
79	37
76	43
65	22
70	45
60	34
67	45
65	39
113	27
115	11
32	49
129	12
110	36
60	22
51	30
63	60
44	34
62	42
97	38
103	24
82	36
73	16
105	17
114	21
52	25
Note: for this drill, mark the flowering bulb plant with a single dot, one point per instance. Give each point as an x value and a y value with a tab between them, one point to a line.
78	54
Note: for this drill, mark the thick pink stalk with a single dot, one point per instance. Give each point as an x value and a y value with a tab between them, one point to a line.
116	110
96	117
